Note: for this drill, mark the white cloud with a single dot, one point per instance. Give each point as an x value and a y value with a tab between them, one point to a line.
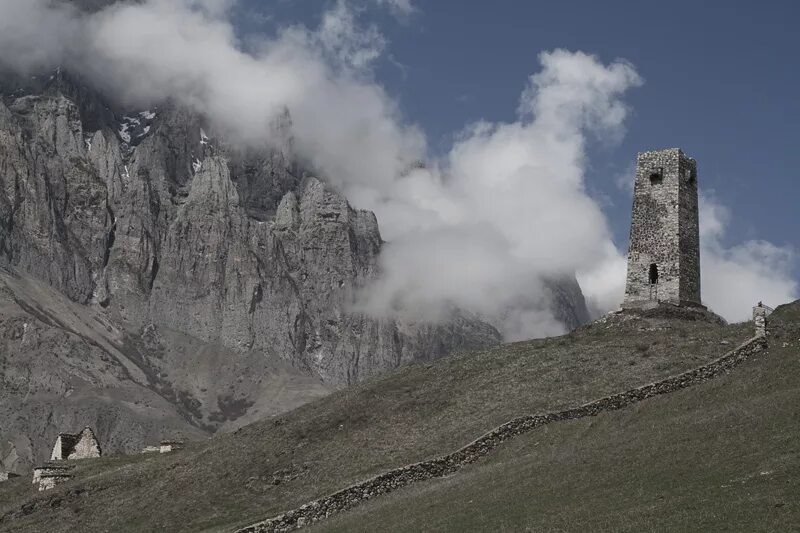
36	35
736	278
507	208
339	34
603	282
627	178
481	228
399	7
214	8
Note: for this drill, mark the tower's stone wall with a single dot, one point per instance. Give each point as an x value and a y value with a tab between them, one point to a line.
689	231
664	254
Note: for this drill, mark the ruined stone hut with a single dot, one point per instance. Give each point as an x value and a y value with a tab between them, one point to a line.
83	445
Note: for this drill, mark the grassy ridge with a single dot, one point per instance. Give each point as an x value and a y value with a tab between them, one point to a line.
412	414
722	456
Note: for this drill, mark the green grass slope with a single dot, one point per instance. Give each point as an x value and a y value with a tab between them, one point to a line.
722	456
415	413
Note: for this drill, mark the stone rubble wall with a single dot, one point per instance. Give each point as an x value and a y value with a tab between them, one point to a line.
442	466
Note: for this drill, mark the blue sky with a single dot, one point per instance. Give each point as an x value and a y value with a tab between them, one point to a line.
721	82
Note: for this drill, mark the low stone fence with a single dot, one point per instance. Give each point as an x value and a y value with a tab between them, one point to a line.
406	475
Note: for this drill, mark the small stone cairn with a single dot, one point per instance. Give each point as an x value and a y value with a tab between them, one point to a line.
760	314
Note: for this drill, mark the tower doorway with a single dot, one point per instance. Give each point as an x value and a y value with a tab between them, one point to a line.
653	274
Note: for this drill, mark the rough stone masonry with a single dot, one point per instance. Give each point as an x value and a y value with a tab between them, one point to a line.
664	253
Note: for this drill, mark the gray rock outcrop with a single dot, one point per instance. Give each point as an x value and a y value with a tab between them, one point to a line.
158	282
157	223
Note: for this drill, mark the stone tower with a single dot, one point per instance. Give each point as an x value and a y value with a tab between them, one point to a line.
664	254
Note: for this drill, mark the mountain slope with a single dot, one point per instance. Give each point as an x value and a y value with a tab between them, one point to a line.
417	412
721	456
211	280
65	366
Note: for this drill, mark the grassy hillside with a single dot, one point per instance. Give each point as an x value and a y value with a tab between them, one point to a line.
412	414
722	456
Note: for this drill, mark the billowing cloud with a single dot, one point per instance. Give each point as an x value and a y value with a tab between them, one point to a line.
481	227
340	35
735	278
507	207
603	282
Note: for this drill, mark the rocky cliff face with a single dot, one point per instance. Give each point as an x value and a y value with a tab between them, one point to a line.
567	302
211	285
151	218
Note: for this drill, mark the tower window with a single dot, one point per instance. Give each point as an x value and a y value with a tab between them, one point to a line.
653	274
656	176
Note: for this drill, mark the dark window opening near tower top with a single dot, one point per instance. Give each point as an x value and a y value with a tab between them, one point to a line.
656	176
653	274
